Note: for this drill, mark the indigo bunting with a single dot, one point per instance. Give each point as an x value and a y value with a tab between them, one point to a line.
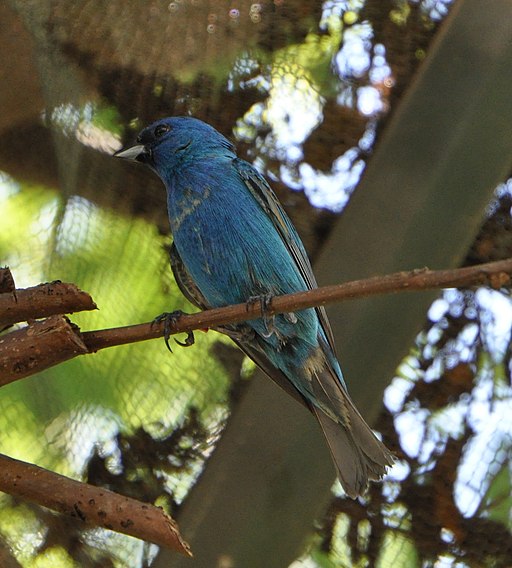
232	243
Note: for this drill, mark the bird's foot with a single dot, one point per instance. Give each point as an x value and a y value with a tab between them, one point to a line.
265	301
169	319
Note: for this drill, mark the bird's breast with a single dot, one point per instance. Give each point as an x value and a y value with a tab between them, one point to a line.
187	203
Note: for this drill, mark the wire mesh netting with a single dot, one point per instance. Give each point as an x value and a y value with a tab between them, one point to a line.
305	89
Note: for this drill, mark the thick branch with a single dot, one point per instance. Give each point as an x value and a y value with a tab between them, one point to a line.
494	274
42	301
93	505
38	346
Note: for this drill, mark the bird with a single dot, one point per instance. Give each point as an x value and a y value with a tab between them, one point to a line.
234	243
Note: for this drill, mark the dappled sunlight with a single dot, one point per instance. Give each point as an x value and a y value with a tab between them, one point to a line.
92	125
295	106
74	434
481	414
21	527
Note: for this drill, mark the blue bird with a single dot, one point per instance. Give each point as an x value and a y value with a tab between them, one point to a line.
233	242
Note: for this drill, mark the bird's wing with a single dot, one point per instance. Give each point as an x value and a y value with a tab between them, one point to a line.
193	295
267	199
184	280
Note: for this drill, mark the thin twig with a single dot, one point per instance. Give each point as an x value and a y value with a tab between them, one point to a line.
40	352
100	507
495	274
94	506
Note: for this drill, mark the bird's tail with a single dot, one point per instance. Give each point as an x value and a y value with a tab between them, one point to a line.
359	456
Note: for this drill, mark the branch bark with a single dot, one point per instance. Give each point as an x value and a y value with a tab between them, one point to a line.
41	301
36	347
494	274
94	506
7	558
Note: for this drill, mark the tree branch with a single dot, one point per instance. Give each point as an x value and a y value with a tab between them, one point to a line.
494	274
38	346
7	558
94	506
41	301
44	344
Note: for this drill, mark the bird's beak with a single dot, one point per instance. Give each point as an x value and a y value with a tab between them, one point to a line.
135	152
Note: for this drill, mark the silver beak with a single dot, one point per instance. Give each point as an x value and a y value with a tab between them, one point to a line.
131	153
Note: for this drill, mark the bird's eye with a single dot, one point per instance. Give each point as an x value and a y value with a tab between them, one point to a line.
161	129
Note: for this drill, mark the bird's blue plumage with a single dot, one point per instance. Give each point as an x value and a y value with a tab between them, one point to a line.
233	242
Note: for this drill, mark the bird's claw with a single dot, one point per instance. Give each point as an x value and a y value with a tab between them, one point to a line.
264	300
189	341
169	319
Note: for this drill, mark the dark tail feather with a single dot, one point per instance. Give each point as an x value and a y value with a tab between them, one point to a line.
357	453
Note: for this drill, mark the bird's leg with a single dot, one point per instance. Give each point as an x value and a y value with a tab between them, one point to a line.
265	301
169	319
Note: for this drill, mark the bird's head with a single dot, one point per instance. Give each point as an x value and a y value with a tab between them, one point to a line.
169	142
